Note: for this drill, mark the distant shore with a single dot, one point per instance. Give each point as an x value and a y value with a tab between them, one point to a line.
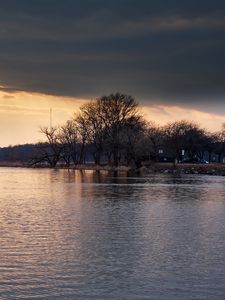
163	168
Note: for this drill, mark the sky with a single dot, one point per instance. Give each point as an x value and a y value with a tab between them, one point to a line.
167	54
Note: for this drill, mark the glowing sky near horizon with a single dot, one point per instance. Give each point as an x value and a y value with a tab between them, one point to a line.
23	113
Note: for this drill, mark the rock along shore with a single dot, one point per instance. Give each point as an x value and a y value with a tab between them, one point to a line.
170	168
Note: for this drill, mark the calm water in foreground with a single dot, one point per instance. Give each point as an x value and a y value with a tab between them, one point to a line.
72	235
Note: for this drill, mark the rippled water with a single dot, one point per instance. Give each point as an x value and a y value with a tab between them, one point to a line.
73	235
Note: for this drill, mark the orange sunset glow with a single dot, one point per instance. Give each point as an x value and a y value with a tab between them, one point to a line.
23	113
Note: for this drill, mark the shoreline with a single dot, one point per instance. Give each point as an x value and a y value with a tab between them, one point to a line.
160	168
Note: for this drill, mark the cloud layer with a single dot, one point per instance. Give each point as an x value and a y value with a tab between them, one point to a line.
172	51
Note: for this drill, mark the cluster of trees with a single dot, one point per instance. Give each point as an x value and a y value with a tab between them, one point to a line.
112	130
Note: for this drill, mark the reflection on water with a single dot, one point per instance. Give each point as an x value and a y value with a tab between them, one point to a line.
90	235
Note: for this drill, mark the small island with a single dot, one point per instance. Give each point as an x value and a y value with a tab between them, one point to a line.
110	133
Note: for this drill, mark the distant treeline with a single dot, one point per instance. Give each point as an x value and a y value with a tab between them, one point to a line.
111	130
19	153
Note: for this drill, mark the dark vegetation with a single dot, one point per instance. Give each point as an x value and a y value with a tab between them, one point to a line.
111	131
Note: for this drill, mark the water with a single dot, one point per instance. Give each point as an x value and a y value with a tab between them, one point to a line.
73	235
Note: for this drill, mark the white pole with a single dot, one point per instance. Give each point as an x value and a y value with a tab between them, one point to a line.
50	118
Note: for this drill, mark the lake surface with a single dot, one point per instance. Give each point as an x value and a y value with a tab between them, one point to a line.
88	235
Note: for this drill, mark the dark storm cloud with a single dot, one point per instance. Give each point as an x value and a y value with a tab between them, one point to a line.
168	50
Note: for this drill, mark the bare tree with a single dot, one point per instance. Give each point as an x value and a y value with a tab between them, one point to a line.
118	112
92	128
219	148
70	141
184	135
153	141
131	139
83	132
51	150
105	120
